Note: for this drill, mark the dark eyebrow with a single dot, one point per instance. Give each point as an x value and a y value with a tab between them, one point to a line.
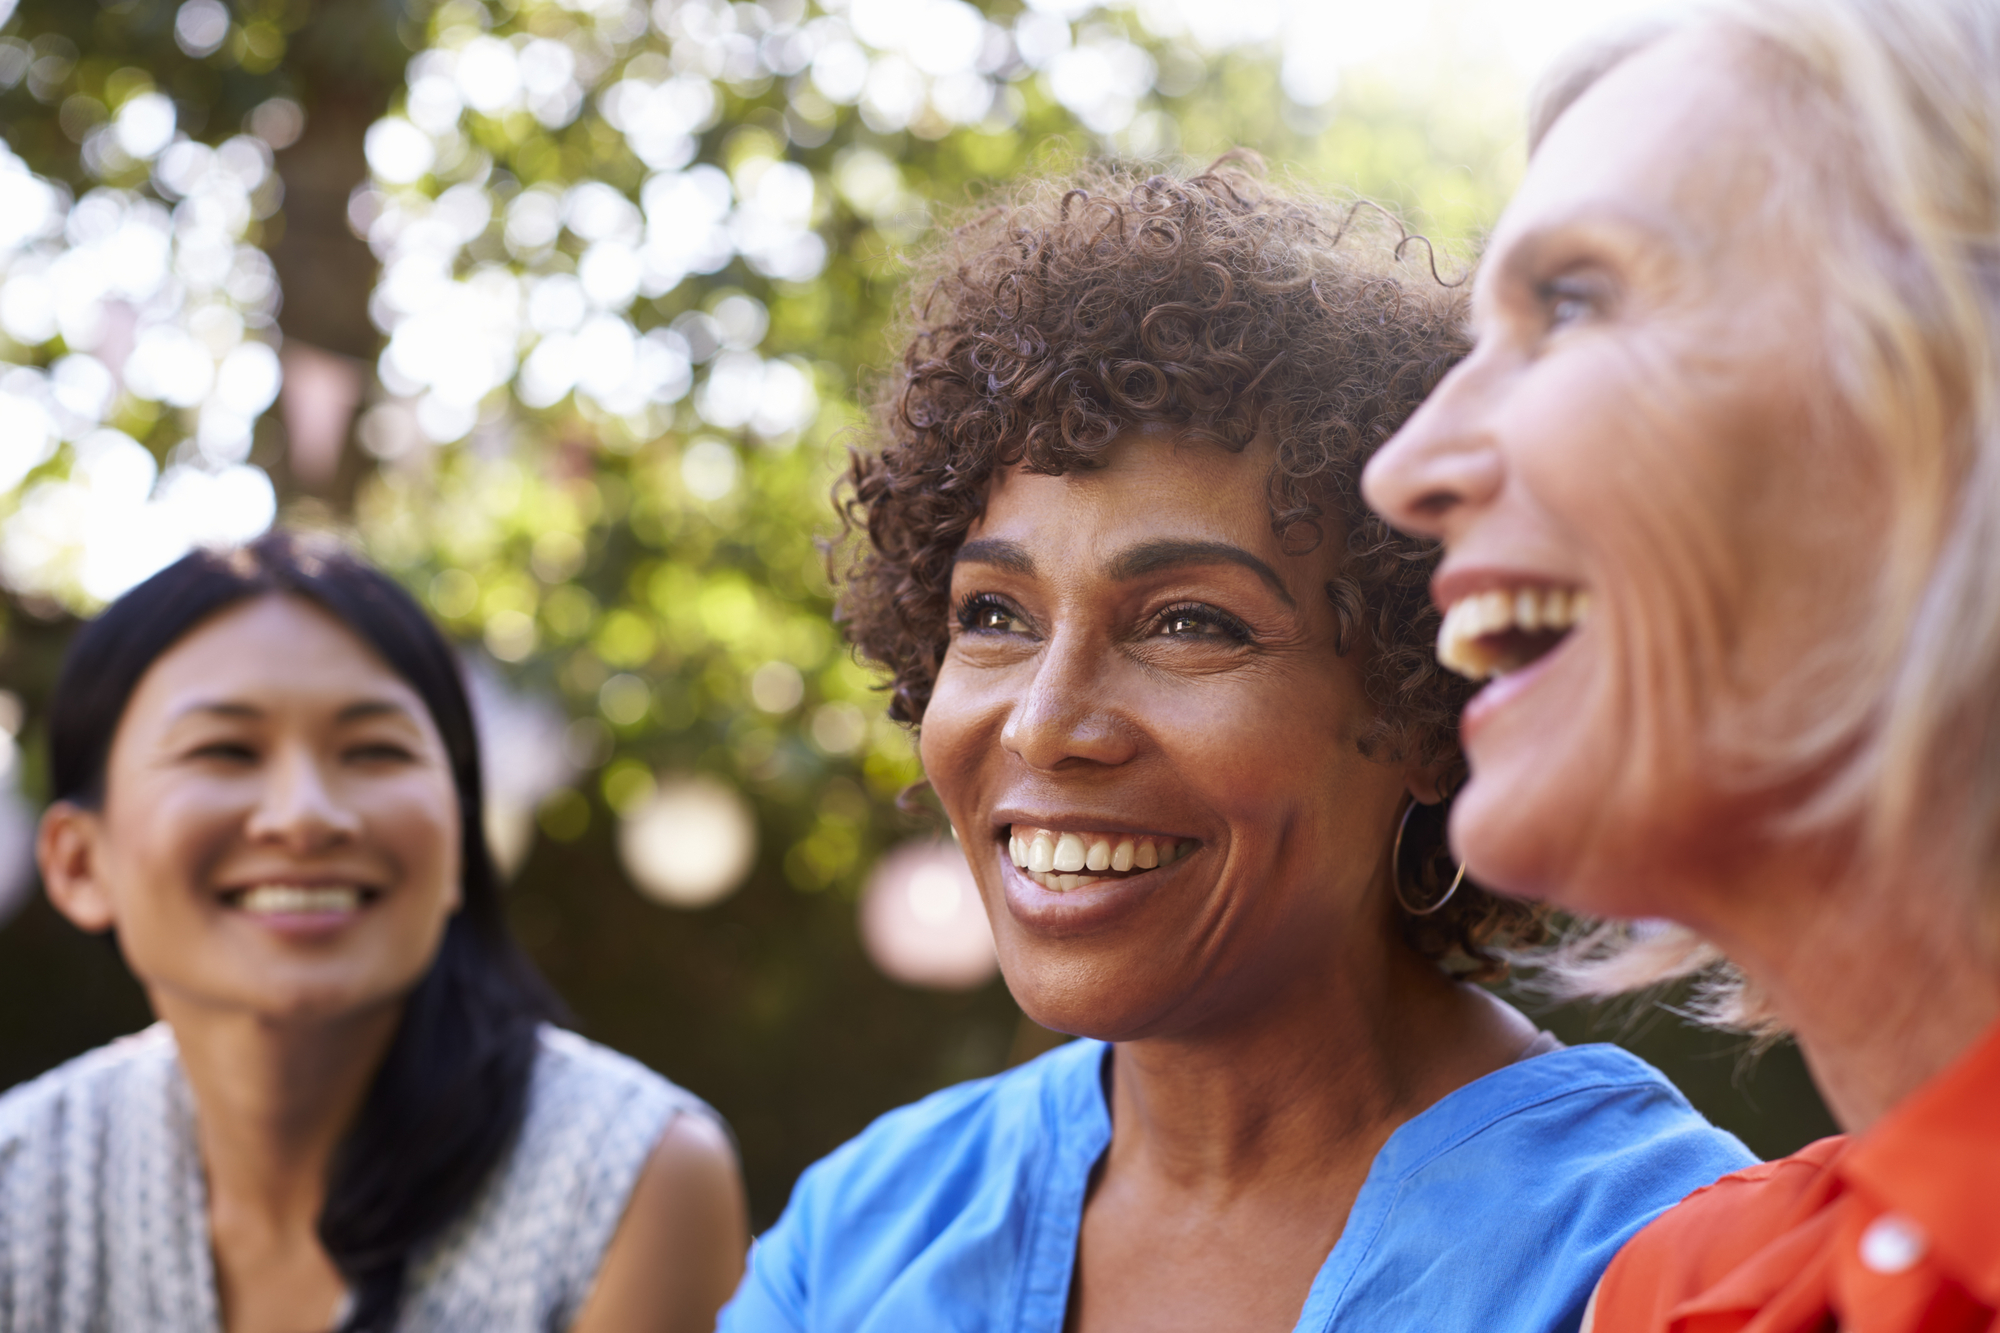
354	712
1010	556
367	708
1167	553
222	708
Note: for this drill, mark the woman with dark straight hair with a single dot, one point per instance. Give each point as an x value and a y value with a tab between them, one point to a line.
354	1112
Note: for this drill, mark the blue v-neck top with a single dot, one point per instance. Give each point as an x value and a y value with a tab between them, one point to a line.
1493	1211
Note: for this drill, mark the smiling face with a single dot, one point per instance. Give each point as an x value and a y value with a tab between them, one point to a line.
1148	745
279	833
1658	538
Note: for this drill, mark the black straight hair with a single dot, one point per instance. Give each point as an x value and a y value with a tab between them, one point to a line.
452	1089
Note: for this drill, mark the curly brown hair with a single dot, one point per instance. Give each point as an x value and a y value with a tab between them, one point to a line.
1048	324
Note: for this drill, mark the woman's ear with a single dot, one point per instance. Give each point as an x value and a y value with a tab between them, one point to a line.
68	849
1426	785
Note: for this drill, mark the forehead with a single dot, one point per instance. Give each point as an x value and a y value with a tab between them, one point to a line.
1670	147
271	651
1152	484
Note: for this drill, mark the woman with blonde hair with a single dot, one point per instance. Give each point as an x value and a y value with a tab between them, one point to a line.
1736	395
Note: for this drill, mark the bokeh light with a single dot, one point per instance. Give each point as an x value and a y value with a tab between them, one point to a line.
922	922
524	759
554	289
136	325
17	816
690	844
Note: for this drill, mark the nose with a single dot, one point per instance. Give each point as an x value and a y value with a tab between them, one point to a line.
1443	465
1066	719
297	808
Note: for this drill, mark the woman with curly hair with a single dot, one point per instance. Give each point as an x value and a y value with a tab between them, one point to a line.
1175	693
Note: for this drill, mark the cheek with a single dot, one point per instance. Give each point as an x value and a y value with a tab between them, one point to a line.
1654	471
1641	456
1263	752
1256	727
1696	530
165	844
417	832
417	826
960	727
156	866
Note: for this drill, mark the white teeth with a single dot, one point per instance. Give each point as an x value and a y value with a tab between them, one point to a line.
286	899
1064	883
1064	861
1473	618
1527	610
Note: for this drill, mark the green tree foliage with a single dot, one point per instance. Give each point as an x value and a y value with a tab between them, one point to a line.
642	546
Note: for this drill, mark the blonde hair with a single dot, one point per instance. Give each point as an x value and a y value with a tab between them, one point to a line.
1905	98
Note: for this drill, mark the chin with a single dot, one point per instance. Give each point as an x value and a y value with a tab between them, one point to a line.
1520	839
1629	851
1080	998
320	999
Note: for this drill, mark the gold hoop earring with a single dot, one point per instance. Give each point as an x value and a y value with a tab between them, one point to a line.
1396	871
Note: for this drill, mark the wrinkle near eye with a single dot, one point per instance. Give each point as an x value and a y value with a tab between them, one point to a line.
1201	622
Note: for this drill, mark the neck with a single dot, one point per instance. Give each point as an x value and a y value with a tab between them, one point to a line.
1883	984
273	1099
1311	1080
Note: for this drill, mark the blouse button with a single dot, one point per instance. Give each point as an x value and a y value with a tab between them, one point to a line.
1892	1244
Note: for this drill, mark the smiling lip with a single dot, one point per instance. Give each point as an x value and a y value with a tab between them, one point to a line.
1504	627
1497	623
1498	692
1059	904
299	906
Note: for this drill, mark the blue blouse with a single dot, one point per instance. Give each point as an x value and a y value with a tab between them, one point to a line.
1493	1211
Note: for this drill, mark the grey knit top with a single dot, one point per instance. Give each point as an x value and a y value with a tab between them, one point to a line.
104	1217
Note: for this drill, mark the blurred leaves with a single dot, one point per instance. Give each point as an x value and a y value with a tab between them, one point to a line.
657	224
636	264
635	268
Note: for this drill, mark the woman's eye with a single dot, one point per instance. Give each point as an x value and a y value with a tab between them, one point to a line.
234	752
1204	622
989	615
1566	302
380	752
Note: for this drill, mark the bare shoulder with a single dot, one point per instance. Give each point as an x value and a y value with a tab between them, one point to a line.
691	1172
678	1252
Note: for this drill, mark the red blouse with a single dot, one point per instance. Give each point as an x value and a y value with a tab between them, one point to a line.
1893	1231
